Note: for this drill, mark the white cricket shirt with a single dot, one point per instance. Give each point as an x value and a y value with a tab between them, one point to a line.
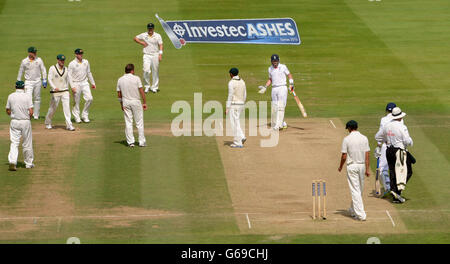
153	42
129	85
80	72
278	75
385	120
355	145
58	78
19	102
394	134
236	91
32	69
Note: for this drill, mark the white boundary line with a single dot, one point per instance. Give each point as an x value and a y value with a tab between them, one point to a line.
332	123
392	220
248	222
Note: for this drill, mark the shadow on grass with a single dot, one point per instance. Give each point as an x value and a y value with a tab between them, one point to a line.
122	142
227	143
18	165
345	213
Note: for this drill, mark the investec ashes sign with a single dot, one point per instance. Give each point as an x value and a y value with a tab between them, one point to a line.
248	31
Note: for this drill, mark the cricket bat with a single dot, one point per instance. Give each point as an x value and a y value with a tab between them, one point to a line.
299	104
377	179
175	41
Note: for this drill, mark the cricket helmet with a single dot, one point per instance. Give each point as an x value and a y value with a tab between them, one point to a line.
390	106
274	57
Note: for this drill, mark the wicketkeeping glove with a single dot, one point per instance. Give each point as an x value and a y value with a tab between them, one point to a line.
262	89
44	83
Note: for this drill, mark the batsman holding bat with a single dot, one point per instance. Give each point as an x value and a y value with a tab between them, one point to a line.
277	78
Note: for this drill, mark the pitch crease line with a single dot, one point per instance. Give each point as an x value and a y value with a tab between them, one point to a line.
392	220
332	123
248	222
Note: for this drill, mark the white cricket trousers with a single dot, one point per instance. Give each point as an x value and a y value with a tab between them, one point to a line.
279	98
355	177
34	89
235	114
18	129
82	88
384	169
151	65
64	97
133	109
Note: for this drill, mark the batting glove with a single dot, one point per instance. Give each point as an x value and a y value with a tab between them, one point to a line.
44	83
377	152
262	89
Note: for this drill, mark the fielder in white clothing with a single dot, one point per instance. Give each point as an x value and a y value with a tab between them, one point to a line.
237	95
20	107
79	74
130	93
34	73
355	150
153	50
277	77
58	78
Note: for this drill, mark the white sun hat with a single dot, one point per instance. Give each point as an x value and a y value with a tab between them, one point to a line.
397	113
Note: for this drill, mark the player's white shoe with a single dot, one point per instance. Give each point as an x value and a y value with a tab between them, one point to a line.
36	117
48	126
154	90
71	128
29	166
77	120
86	120
285	125
147	89
236	146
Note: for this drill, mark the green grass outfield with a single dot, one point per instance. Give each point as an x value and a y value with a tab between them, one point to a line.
355	57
